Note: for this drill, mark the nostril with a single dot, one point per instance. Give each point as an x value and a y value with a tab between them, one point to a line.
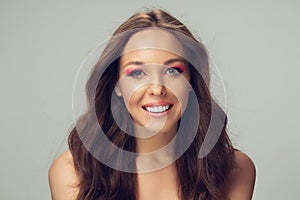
161	93
157	90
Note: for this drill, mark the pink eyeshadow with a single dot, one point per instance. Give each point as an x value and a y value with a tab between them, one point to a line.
180	67
128	71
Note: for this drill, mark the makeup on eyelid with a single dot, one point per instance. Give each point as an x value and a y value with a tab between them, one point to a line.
181	68
129	71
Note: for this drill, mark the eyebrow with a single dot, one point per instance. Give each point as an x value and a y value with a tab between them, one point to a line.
168	62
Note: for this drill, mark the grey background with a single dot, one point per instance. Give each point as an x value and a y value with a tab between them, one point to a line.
255	44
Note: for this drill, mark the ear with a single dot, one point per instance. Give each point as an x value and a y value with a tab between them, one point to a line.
118	91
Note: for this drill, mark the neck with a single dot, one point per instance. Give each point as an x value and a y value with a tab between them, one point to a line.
156	151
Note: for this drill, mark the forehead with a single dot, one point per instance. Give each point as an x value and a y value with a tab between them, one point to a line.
150	56
154	39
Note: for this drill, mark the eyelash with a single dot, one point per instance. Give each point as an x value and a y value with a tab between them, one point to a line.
138	73
133	73
177	69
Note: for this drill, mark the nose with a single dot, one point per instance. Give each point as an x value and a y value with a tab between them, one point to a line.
156	90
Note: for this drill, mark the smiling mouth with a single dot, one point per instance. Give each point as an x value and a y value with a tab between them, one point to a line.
157	109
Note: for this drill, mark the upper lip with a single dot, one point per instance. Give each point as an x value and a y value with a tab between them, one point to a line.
157	103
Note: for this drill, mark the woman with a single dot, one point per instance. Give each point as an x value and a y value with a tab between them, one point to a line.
149	92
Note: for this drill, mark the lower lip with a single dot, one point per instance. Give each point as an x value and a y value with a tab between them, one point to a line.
158	115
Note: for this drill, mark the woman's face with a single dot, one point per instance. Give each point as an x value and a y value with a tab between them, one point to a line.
154	81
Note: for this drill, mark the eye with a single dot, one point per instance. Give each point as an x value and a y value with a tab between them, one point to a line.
173	71
136	73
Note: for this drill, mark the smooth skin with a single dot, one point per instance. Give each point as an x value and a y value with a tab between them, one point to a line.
166	84
240	183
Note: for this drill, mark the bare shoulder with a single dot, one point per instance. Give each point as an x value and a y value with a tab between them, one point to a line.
241	180
62	177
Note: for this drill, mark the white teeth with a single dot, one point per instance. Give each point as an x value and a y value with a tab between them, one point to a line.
157	109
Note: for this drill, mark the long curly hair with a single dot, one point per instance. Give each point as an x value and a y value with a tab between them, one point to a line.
199	178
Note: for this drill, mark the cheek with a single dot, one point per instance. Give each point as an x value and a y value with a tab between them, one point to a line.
183	97
181	93
129	86
127	90
180	88
126	100
131	98
131	91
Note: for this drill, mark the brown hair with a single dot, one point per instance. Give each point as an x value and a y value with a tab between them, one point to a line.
199	178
